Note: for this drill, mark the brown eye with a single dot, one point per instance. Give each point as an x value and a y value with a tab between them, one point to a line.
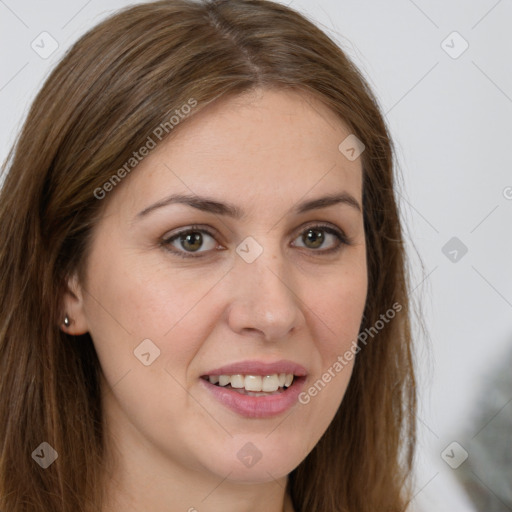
195	241
190	241
315	237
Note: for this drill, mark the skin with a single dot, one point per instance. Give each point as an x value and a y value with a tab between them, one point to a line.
175	447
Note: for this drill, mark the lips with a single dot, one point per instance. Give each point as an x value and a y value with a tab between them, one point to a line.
259	368
256	389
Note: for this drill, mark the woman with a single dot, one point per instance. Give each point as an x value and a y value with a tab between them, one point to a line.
204	301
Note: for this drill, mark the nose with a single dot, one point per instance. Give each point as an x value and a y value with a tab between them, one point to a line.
264	299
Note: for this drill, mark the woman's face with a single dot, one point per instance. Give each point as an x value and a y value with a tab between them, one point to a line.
264	281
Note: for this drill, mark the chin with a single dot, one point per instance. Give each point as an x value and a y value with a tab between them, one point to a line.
256	459
260	473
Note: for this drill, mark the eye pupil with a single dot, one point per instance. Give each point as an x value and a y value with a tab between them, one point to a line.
193	238
315	236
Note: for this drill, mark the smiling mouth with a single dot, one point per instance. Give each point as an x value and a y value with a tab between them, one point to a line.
253	385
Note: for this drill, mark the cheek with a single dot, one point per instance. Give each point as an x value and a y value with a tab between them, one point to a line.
336	311
135	299
135	296
339	310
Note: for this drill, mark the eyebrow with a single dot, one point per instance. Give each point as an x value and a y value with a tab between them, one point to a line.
210	205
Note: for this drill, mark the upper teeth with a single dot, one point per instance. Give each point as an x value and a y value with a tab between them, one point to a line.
254	382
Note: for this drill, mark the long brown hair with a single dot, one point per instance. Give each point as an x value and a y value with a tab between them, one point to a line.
112	88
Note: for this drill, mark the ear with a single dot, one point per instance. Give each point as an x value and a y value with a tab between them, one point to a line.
74	308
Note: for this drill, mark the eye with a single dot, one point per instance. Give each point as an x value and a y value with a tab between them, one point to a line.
189	241
315	237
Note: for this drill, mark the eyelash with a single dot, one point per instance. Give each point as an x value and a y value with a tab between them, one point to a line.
340	235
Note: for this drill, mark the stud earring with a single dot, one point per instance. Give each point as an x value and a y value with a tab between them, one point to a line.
67	321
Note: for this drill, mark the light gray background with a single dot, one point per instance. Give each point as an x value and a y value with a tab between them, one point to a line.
450	120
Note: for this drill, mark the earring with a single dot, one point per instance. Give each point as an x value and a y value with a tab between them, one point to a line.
67	321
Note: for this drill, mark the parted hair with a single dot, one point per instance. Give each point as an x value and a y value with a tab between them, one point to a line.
107	94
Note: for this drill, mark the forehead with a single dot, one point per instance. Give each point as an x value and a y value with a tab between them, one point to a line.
264	148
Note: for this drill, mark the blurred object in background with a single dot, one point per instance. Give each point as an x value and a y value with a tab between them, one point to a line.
487	473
